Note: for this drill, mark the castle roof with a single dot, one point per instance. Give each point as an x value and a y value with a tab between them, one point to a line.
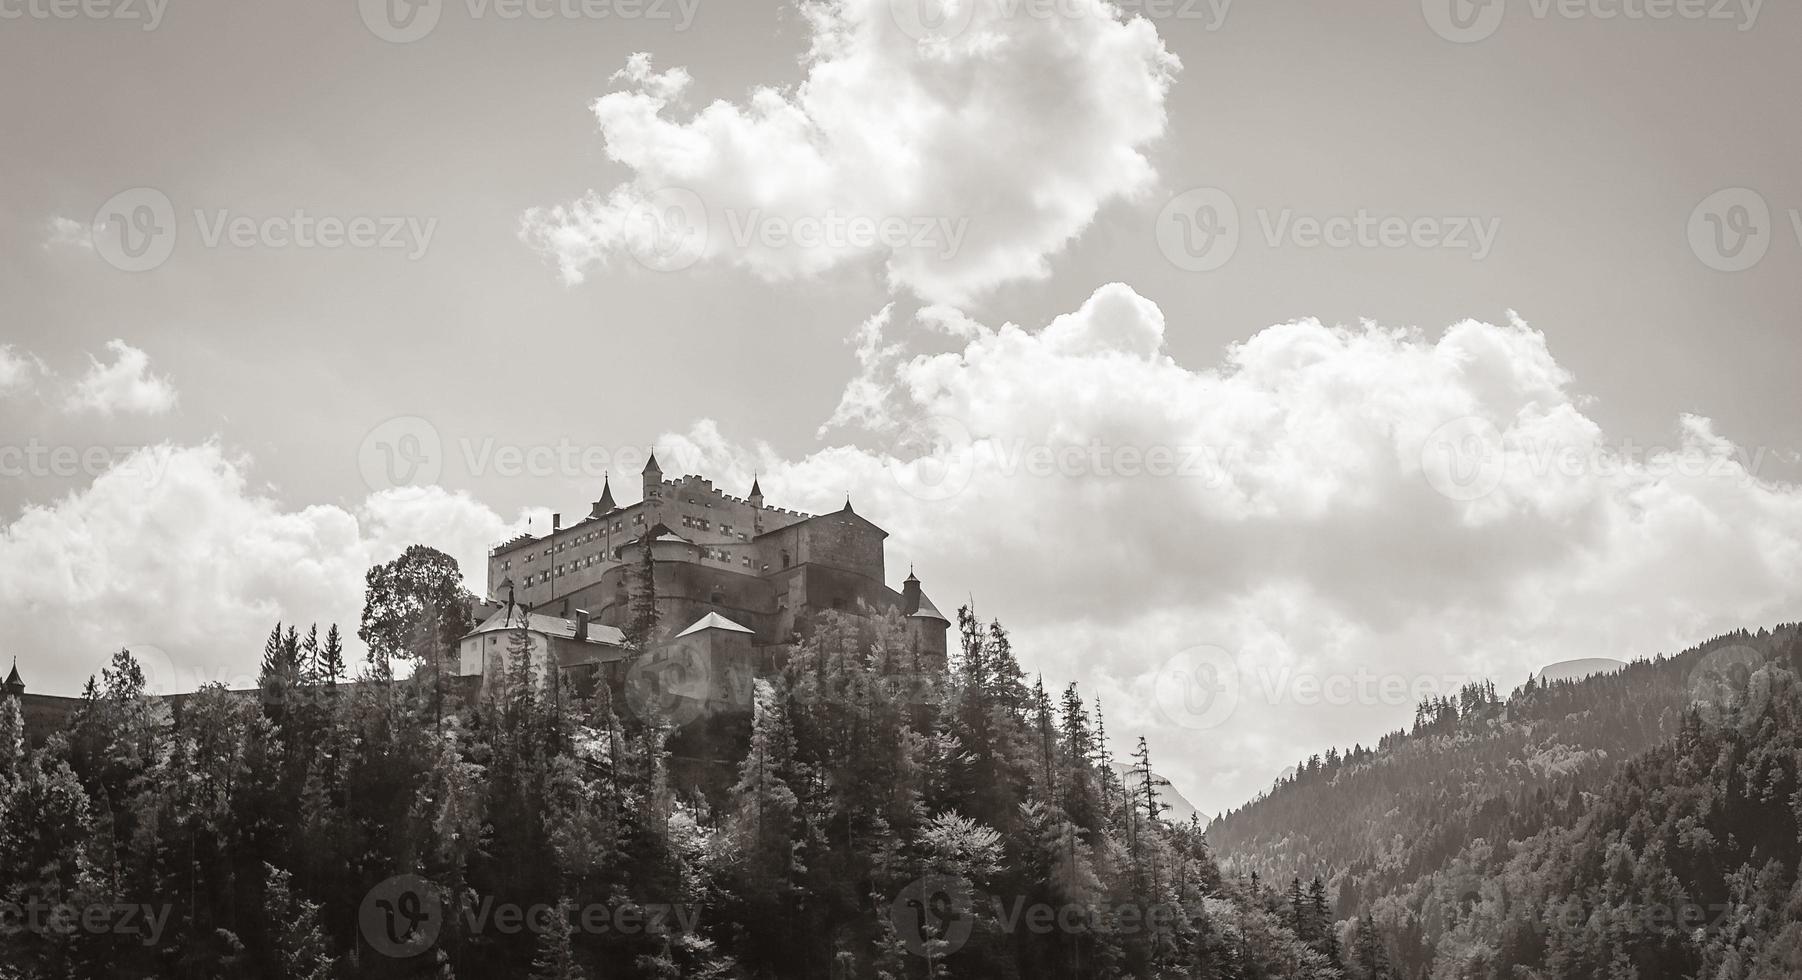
714	621
605	505
651	466
928	611
13	681
756	491
552	626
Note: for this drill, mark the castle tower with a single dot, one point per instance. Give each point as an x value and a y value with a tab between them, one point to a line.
653	478
605	505
755	499
14	686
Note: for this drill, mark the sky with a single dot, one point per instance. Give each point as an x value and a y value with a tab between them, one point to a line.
1262	366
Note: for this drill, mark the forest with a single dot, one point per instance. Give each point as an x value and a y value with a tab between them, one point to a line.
884	818
1643	824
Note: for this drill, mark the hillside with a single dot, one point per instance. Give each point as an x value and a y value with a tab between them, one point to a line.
1420	829
869	828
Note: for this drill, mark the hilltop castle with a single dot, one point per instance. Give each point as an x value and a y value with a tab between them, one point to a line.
736	582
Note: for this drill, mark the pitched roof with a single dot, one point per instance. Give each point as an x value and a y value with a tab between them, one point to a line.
714	621
928	611
12	678
605	505
555	626
651	465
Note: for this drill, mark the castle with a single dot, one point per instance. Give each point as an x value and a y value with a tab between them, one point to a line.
736	583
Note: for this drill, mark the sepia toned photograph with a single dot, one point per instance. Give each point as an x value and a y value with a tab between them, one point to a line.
900	490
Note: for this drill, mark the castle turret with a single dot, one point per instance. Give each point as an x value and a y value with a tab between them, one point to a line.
755	499
910	593
653	478
14	686
925	624
605	505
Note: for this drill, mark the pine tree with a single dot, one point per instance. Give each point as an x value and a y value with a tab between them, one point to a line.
299	949
556	959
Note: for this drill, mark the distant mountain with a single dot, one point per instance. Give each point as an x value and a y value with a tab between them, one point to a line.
1180	809
1576	670
1476	839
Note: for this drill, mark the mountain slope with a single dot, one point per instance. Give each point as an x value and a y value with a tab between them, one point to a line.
1414	831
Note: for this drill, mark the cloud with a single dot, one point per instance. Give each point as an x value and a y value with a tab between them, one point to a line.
173	553
61	232
19	371
125	385
960	159
1337	508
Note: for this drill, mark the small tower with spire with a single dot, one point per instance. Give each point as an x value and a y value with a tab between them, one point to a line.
755	499
14	686
653	478
605	505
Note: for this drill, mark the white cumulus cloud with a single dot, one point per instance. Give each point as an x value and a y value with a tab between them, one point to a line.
174	553
126	384
1337	507
960	158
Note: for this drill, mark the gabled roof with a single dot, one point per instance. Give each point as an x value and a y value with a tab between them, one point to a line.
714	621
553	626
844	515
